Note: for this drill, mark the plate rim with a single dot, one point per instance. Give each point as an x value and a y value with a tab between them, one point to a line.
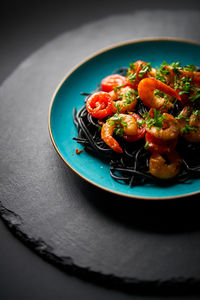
76	67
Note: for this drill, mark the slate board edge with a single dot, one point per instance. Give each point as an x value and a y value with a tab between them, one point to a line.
179	285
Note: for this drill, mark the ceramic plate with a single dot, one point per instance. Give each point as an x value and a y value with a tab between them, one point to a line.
84	78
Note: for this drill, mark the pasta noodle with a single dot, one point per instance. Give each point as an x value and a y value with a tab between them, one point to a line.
132	165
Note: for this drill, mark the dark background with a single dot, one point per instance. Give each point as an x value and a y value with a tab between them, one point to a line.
25	27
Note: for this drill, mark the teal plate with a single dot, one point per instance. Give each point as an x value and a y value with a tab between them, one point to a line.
84	78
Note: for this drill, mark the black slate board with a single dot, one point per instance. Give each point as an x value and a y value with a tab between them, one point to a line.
113	240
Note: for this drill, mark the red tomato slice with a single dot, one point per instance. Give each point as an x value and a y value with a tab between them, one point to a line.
140	131
158	145
111	81
99	105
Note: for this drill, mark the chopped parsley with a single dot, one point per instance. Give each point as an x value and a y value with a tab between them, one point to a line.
160	94
144	69
140	123
190	68
117	107
117	88
131	76
183	117
196	112
184	85
146	146
187	118
176	67
196	96
132	66
119	130
160	77
188	128
116	121
162	72
129	96
156	121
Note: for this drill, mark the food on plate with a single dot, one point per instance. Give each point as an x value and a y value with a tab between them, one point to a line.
145	121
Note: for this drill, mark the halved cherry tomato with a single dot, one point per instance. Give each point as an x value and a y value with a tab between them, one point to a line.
140	130
99	105
157	145
111	81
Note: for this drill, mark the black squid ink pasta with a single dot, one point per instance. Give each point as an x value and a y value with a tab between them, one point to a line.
133	162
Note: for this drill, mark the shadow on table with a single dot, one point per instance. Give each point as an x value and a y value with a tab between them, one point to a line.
164	216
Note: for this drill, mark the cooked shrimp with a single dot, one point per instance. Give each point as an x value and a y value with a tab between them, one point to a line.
146	89
130	126
194	75
124	99
190	124
167	78
169	130
121	124
165	168
106	135
179	72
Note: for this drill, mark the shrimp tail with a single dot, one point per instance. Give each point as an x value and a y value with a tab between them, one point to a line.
147	86
166	89
106	135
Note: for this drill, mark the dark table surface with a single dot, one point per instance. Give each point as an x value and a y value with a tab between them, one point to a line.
27	27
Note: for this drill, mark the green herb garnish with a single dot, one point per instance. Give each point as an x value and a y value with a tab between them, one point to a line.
132	66
156	121
196	96
131	76
140	123
160	94
160	77
144	69
184	85
182	117
188	128
190	68
129	96
119	124
146	146
117	88
162	72
176	67
196	112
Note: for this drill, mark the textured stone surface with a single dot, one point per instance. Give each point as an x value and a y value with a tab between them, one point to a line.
65	219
